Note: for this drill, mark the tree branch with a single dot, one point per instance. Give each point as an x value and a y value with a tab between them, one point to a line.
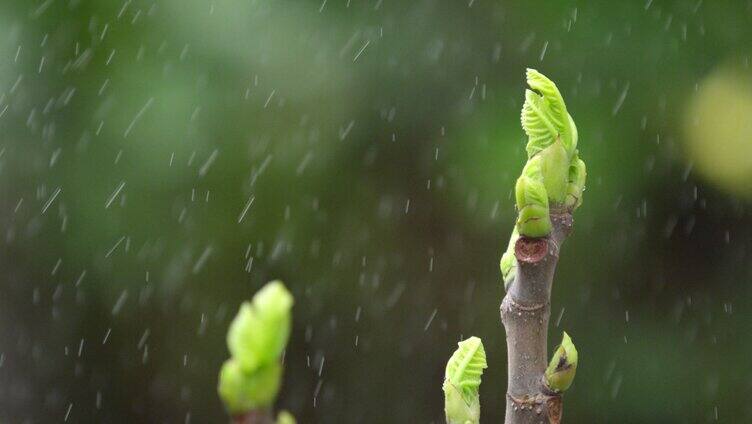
525	311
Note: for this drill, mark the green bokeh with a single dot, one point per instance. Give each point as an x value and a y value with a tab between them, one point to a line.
379	142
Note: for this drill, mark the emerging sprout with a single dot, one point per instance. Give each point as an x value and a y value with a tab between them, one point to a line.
563	366
462	381
554	175
257	337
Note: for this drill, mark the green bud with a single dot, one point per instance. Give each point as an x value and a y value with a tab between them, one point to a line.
508	263
285	417
554	162
250	379
242	391
259	333
563	366
577	176
462	382
552	136
532	202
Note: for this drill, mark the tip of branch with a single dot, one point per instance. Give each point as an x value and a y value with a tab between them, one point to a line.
562	221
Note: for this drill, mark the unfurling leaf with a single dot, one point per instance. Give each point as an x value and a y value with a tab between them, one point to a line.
462	382
544	116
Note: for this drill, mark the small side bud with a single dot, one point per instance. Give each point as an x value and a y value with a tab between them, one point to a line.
508	263
462	382
563	366
577	177
285	417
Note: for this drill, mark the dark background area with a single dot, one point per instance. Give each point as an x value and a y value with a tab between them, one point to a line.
377	143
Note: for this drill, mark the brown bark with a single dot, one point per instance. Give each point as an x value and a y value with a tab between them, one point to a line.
525	311
256	416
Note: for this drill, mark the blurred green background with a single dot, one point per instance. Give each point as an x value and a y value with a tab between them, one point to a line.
161	160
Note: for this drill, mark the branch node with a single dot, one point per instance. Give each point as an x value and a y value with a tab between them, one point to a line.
526	401
515	306
530	250
539	402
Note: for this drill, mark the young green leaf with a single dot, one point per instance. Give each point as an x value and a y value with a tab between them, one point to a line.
544	115
462	382
537	122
